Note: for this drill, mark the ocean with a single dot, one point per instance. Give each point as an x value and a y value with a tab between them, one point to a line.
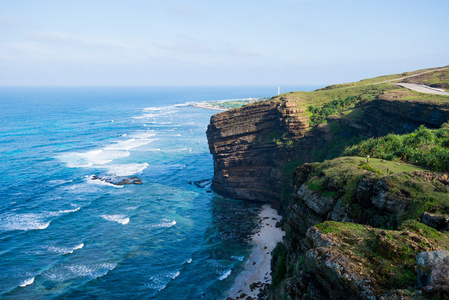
65	235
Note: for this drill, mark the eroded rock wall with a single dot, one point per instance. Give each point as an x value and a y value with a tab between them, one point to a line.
249	148
252	145
384	116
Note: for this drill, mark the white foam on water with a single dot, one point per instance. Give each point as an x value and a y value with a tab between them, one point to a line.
59	182
144	135
91	271
155	113
116	218
129	144
173	275
61	212
165	224
132	208
189	261
160	281
125	169
103	183
31	221
92	158
225	275
239	258
65	250
156	283
27	282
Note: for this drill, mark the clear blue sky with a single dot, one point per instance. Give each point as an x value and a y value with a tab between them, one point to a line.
199	42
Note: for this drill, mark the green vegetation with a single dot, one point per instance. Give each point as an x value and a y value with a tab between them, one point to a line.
428	148
388	256
321	97
340	177
368	167
320	104
279	256
319	114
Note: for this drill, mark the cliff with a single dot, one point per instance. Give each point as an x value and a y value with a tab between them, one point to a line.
351	229
256	148
248	149
342	259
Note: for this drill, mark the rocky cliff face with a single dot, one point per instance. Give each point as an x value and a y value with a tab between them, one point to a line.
386	116
255	148
341	259
249	148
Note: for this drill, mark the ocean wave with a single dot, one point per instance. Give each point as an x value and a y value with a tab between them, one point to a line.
30	221
155	114
132	208
59	182
225	275
164	224
27	282
130	144
63	273
173	275
92	271
160	281
65	250
116	218
126	169
61	212
160	108
239	258
189	261
92	158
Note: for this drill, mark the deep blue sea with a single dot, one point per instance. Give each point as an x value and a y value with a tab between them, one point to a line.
64	235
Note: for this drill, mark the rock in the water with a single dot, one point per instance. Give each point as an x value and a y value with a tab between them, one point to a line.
202	183
118	180
426	262
439	222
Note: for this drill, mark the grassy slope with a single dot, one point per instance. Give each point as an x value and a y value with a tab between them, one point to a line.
346	172
389	256
369	89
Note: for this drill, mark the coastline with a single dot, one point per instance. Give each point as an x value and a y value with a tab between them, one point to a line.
208	105
256	276
223	105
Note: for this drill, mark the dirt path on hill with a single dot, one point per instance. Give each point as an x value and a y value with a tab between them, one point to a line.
423	88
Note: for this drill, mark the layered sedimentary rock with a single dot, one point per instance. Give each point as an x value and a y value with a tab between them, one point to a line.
384	116
249	148
252	145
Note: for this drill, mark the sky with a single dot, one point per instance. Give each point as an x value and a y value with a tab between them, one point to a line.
233	42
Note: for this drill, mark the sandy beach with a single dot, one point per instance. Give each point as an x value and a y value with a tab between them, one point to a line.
257	269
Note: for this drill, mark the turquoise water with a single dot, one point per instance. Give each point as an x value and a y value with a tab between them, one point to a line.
65	235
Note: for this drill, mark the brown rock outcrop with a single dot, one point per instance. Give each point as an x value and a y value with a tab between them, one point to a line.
384	116
251	145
